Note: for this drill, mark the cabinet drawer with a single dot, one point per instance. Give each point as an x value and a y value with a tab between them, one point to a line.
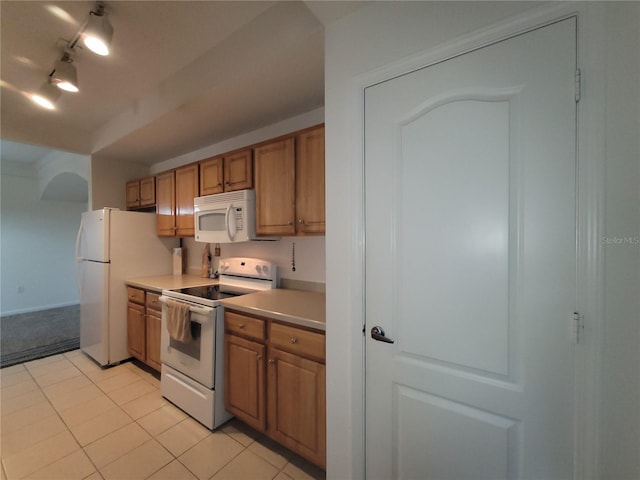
296	340
135	295
243	325
153	301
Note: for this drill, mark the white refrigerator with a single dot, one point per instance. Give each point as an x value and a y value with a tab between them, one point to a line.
113	246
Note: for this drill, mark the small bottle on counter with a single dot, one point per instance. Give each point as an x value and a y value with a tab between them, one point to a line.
206	261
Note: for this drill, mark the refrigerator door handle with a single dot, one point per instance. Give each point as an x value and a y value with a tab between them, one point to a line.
79	258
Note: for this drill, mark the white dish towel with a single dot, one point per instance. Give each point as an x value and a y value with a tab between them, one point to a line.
178	323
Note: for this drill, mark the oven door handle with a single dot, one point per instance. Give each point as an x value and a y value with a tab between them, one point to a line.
192	308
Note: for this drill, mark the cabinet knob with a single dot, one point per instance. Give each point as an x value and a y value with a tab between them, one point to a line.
294	340
241	325
218	184
258	357
271	361
300	221
289	222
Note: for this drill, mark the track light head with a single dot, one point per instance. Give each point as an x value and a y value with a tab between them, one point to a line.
64	75
98	33
47	95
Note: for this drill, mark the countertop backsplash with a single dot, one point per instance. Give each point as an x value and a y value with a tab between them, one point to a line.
309	271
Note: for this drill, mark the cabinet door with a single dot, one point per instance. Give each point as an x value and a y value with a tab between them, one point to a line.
154	329
211	176
136	330
133	194
244	380
274	165
310	216
166	204
187	187
147	191
296	402
238	170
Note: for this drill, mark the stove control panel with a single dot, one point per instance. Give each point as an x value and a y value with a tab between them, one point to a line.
248	268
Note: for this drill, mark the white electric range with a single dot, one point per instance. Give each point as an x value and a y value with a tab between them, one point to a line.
193	372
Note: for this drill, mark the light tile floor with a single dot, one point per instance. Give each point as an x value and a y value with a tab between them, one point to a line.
64	418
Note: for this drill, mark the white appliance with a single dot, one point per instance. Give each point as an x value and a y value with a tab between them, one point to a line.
226	217
112	246
193	372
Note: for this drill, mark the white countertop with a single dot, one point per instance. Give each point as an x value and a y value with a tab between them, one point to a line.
298	307
170	282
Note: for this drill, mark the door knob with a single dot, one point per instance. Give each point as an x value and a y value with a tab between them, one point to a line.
377	333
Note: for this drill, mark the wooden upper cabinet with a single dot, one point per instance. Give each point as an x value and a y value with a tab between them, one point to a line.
212	176
289	181
238	170
226	173
166	204
275	187
187	188
310	183
141	193
147	191
133	194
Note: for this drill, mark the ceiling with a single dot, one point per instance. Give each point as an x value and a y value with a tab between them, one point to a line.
182	74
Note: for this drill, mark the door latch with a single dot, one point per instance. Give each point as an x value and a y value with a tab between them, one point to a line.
377	333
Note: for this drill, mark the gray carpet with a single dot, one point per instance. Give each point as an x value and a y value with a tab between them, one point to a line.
28	336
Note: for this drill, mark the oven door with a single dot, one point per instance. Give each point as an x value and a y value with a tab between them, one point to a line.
196	358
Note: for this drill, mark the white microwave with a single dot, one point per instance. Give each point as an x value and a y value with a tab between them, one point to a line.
226	217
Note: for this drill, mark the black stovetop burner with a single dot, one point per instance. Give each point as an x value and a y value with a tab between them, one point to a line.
215	292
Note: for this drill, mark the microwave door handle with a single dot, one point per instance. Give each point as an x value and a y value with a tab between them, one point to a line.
231	223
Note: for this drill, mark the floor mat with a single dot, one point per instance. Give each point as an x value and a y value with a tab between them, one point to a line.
33	335
6	360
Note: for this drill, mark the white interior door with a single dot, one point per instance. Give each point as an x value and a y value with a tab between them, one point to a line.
470	264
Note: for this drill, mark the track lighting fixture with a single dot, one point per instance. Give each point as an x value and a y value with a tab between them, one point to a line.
96	34
64	75
47	95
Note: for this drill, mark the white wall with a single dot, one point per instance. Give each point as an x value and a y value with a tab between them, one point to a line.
37	242
359	47
109	176
108	181
308	119
620	444
309	253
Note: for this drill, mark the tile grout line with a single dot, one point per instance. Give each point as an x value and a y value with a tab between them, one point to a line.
63	420
142	374
57	413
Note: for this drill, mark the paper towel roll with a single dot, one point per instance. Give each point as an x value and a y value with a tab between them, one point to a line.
179	256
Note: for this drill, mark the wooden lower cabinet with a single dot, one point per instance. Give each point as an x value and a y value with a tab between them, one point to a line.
144	326
284	397
244	380
297	404
136	327
154	329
